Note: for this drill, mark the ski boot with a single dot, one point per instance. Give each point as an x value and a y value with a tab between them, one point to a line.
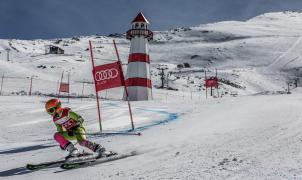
72	150
102	152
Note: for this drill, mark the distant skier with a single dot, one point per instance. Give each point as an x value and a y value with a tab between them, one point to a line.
70	127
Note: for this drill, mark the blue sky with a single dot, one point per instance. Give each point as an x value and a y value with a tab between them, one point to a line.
32	19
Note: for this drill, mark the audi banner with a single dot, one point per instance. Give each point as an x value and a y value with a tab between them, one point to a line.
212	82
108	76
64	87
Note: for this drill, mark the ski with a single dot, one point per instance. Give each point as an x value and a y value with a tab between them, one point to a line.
44	165
91	162
57	163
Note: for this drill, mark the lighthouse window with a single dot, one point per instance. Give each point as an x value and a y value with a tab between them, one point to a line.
142	25
136	25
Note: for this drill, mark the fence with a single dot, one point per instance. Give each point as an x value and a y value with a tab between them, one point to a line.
12	85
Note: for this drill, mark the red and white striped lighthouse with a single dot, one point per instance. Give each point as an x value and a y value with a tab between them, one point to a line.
138	78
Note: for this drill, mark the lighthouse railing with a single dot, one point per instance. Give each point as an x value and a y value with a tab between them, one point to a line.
139	32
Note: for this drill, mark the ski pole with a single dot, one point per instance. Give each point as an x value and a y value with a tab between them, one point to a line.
112	133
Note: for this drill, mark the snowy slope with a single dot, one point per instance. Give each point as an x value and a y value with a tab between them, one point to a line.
265	44
250	137
255	135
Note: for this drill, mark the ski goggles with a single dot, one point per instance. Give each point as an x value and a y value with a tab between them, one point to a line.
51	110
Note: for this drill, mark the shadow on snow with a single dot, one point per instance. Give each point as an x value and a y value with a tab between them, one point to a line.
20	170
26	149
15	171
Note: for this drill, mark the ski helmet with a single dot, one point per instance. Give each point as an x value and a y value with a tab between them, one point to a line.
52	106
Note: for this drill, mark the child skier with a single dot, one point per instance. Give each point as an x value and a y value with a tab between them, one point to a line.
70	127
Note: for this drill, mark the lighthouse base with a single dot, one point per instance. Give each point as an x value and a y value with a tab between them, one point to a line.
138	93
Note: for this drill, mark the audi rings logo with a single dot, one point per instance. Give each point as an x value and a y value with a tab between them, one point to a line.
106	74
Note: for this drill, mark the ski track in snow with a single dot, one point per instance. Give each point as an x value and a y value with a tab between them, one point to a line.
283	58
153	122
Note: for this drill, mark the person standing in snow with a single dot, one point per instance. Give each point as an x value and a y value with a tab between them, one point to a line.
70	127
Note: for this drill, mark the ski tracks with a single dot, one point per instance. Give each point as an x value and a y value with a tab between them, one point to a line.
282	59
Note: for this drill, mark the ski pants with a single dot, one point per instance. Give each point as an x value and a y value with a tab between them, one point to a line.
64	138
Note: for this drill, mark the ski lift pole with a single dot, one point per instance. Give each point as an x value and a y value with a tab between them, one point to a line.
58	86
60	83
2	79
217	84
68	86
83	90
125	87
151	85
205	79
31	84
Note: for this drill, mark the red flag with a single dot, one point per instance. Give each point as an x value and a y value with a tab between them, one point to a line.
64	87
108	76
212	82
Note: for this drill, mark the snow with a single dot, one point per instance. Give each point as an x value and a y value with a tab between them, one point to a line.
251	132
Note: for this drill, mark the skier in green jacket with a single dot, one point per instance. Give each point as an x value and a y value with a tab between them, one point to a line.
70	127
